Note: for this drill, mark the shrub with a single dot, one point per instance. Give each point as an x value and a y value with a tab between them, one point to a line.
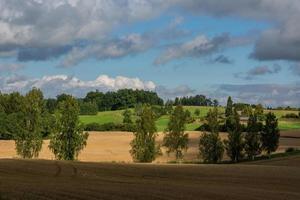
291	116
109	127
290	149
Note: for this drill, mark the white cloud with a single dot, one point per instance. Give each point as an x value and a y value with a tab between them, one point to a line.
57	84
198	47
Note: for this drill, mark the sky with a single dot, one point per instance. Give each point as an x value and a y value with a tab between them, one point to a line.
248	49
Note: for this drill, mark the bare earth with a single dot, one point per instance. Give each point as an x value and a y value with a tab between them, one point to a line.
115	146
278	179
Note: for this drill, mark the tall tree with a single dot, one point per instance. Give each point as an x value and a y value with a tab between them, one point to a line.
29	139
270	134
211	147
229	107
68	139
143	146
252	138
235	143
175	139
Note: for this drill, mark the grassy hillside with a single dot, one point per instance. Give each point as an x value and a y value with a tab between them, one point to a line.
161	123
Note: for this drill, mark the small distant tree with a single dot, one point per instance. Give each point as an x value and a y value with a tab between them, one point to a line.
197	112
235	143
28	138
229	107
270	134
143	146
252	137
211	147
259	112
127	117
68	139
175	139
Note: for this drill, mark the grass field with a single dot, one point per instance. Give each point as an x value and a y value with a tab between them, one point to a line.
38	179
161	123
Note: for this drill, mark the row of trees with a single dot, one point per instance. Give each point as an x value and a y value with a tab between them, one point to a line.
198	100
258	137
98	101
26	120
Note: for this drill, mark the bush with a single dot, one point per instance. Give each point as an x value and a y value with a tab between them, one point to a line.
88	108
290	149
109	127
291	116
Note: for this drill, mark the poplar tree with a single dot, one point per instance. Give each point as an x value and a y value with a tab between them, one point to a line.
143	146
175	139
68	139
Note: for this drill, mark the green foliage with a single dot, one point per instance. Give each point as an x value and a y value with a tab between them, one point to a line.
211	147
125	98
28	136
175	139
88	108
213	120
198	100
252	137
143	146
109	127
270	134
235	143
68	139
229	107
197	112
259	112
127	117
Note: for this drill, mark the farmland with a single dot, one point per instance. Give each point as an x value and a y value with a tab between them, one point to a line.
38	179
161	123
115	146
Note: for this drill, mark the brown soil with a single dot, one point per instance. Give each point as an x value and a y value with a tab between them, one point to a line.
40	179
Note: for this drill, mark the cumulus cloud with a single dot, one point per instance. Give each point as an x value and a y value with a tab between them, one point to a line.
198	47
57	84
259	71
117	48
171	93
43	29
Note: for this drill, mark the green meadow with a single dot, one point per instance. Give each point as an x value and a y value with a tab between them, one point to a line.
161	123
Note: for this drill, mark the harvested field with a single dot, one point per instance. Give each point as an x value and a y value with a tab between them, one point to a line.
39	179
114	147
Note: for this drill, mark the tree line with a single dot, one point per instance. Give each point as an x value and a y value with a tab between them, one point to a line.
259	136
26	120
197	100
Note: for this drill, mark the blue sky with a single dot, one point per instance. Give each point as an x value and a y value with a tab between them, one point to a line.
176	48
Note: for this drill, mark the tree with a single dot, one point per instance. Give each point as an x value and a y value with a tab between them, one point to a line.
234	144
211	148
229	107
259	112
270	134
175	139
143	146
29	137
197	112
127	117
68	139
252	138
